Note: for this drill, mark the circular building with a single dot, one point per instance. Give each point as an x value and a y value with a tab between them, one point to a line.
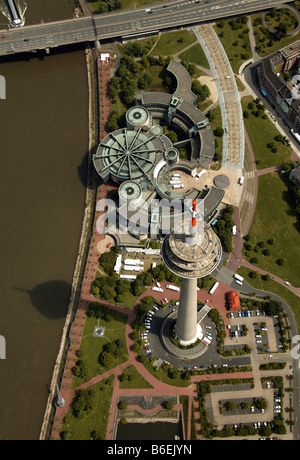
126	155
192	257
137	116
130	192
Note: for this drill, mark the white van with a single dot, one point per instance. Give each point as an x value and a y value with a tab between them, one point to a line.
242	180
239	282
157	289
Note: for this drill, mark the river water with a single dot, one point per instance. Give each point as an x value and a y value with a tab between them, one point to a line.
159	431
43	151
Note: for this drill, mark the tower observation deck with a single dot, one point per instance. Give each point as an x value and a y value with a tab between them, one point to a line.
191	252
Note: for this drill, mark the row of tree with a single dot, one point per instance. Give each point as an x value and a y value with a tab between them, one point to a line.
224	226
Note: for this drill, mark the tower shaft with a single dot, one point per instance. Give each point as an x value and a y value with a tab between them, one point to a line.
186	326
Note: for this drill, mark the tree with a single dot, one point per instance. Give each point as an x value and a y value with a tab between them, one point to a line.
107	293
219	132
123	286
122	405
66	435
80	370
107	359
281	30
273	308
168	405
145	62
83	402
112	122
201	91
261	403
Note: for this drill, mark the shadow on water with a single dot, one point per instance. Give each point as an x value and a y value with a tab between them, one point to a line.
51	299
41	54
82	171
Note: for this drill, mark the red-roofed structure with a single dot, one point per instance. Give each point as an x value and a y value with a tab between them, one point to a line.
234	300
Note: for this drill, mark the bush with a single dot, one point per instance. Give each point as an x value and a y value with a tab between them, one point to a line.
122	405
65	435
83	403
80	370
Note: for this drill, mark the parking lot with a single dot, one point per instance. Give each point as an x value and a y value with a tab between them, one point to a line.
253	328
256	329
152	345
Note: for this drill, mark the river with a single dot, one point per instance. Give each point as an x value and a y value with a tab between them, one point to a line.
160	431
43	148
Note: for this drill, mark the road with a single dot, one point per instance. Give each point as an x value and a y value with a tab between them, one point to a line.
118	24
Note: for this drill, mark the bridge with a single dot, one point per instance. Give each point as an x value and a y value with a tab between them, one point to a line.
125	23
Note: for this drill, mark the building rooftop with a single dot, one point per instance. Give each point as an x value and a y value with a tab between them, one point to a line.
183	78
291	50
234	300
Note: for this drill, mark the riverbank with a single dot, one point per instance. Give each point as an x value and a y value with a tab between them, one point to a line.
81	258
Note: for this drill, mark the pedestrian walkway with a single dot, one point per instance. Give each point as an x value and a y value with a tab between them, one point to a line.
231	111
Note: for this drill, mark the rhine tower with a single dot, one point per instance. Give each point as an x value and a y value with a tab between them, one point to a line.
191	251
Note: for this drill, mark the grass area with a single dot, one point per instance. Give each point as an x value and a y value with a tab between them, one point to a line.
157	72
91	347
240	85
196	55
131	378
173	42
96	419
272	286
234	40
264	39
275	219
262	132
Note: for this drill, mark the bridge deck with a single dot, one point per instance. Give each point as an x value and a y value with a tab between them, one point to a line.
118	24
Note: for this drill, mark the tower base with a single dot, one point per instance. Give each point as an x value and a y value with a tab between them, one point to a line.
198	336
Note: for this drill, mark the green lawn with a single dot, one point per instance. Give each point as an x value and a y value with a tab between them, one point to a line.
173	42
274	218
133	379
96	419
262	132
272	286
196	55
91	346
